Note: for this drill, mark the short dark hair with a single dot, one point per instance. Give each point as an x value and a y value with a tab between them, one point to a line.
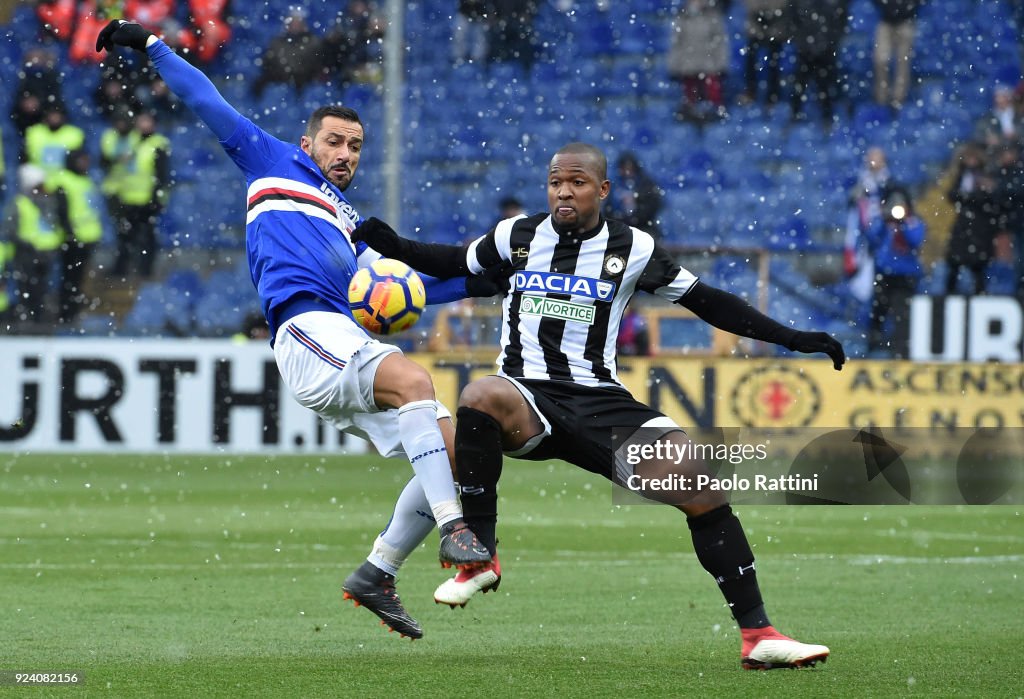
331	110
577	148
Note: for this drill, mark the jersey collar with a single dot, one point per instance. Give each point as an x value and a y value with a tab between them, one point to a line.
578	237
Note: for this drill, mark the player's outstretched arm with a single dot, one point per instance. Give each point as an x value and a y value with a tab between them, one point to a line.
436	259
427	258
184	80
731	313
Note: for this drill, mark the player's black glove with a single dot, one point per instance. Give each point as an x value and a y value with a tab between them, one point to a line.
119	32
494	280
379	236
810	343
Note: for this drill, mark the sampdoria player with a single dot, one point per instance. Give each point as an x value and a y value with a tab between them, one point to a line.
301	256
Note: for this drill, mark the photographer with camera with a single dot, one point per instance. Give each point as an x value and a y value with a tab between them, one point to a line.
894	238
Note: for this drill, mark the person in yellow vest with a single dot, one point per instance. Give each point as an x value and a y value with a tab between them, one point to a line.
79	213
117	148
3	168
48	143
6	257
143	197
31	224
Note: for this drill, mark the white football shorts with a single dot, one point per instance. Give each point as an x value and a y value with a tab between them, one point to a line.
328	362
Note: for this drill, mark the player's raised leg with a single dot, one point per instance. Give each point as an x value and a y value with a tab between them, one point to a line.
403	384
493	417
723	550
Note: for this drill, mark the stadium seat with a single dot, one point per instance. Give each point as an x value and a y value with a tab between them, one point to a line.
153	311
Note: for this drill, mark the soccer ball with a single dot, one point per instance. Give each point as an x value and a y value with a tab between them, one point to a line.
387	297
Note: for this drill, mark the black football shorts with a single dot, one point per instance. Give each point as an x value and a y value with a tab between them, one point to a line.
581	422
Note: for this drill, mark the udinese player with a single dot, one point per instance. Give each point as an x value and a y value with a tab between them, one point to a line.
556	394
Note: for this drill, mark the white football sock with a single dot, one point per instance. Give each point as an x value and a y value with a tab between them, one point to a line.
424	445
410	524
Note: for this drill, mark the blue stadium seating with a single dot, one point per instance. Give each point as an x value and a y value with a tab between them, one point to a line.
474	133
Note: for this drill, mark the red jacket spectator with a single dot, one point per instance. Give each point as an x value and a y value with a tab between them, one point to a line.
209	30
210	24
58	17
92	17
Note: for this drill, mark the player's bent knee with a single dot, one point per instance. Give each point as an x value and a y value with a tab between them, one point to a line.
399	381
488	395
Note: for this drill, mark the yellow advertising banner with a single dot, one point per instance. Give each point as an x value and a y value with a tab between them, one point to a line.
773	393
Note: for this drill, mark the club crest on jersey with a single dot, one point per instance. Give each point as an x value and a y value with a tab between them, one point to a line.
614	264
553	282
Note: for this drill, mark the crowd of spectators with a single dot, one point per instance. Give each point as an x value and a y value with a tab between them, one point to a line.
981	252
67	201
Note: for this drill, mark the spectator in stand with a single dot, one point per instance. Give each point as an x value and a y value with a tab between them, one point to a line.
977	217
117	150
1009	197
1003	123
48	143
142	197
254	327
31	223
6	287
767	34
634	339
79	209
894	45
116	89
865	207
698	57
469	32
39	87
57	18
511	32
818	27
92	15
211	27
509	207
352	48
201	38
635	198
295	56
894	237
3	167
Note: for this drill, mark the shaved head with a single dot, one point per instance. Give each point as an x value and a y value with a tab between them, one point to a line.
596	159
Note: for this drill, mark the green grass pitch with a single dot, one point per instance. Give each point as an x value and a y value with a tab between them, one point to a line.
207	576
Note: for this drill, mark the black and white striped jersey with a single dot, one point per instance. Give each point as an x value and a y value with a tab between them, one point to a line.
561	317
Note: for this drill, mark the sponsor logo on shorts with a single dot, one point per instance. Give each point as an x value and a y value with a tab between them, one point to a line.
553	308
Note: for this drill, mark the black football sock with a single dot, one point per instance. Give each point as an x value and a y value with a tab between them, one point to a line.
722	548
478	463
